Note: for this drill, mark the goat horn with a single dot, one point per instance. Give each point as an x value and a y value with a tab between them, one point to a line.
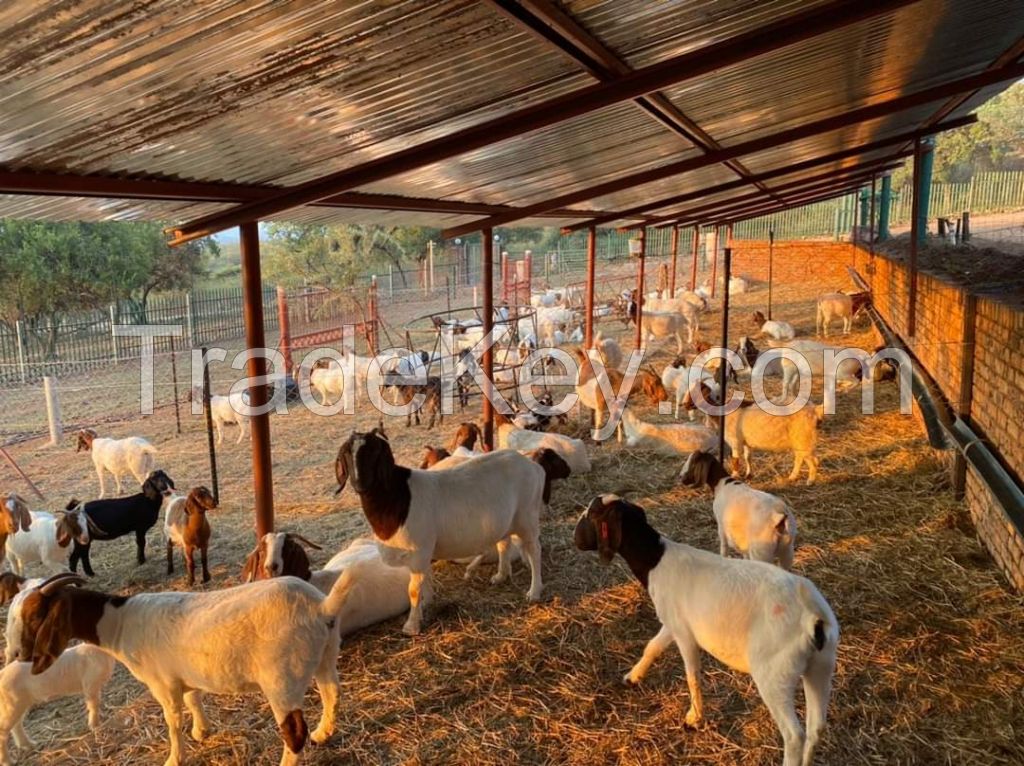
306	542
58	581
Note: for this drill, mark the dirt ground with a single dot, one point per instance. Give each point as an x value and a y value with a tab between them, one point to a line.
931	658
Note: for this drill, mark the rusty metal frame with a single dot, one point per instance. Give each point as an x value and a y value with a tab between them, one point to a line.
558	28
800	26
753	146
842	154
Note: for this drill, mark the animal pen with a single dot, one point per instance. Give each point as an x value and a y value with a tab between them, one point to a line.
665	122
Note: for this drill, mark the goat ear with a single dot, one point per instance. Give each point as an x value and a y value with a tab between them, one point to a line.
63	531
53	635
609	537
307	543
253	565
340	471
24	517
585	536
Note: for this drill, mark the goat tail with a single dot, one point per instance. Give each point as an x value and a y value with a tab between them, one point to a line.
339	593
148	449
818	621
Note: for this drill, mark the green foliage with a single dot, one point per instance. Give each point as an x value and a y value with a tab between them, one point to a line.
334	255
994	142
51	268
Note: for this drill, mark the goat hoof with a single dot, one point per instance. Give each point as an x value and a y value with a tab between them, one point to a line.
198	734
532	597
629	680
692	719
498	578
320	736
411	629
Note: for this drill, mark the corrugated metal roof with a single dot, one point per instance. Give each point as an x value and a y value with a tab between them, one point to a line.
278	93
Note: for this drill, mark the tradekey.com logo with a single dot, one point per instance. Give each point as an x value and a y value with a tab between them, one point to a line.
455	369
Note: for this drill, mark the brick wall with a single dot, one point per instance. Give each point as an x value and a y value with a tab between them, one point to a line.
997	393
795	262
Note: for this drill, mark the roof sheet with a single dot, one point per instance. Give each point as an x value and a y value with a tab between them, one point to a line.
277	93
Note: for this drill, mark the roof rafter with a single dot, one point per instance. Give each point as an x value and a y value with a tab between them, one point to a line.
65	184
727	215
792	29
808	130
867	168
555	26
842	154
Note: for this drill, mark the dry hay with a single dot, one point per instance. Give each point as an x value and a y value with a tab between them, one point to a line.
930	661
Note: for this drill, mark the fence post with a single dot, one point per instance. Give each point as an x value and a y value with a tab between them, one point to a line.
174	381
113	337
53	410
209	427
391	281
430	263
188	319
21	351
284	330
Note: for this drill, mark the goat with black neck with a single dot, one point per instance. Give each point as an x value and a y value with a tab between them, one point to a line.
419	516
751	616
755	524
116	517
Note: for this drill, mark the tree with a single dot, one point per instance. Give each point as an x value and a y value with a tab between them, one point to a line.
49	269
336	255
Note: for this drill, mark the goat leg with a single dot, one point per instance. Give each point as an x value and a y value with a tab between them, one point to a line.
170	557
206	568
140	545
190	564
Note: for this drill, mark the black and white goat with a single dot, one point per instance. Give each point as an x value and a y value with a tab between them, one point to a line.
183	645
418	516
751	616
116	517
755	524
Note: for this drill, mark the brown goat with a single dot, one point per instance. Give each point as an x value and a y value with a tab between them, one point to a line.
195	534
10	586
467	436
279	554
14	517
432	456
431	390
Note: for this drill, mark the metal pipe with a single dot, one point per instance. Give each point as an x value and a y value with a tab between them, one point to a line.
771	265
915	223
259	424
487	311
884	206
588	336
210	444
723	377
640	288
694	254
675	260
948	432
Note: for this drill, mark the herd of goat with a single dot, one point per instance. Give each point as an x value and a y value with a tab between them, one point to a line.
462	503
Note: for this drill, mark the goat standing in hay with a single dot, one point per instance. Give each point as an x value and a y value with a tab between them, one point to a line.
751	616
273	636
121	457
418	516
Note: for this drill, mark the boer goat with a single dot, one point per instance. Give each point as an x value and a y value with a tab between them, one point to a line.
120	457
418	516
759	526
751	616
186	525
274	636
113	518
48	539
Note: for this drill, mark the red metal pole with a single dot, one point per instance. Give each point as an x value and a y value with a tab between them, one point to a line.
714	263
914	231
695	252
640	288
871	237
284	326
487	414
588	333
252	309
504	275
675	260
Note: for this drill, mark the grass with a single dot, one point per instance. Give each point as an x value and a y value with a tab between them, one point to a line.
931	659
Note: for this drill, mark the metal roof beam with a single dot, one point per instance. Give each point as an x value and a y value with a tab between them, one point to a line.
808	130
69	185
769	37
865	169
554	25
771	206
842	154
